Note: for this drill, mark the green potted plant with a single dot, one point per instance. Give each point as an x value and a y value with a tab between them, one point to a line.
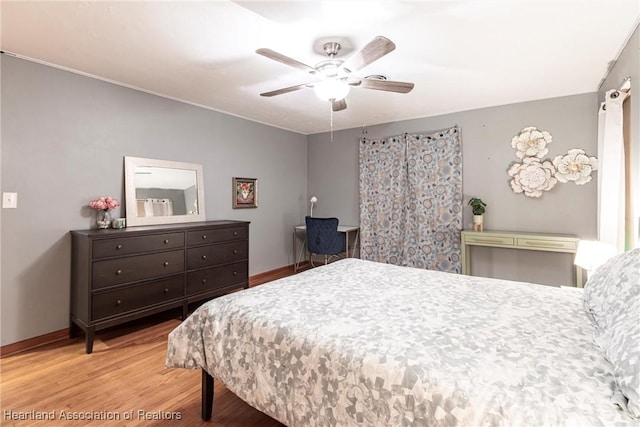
478	209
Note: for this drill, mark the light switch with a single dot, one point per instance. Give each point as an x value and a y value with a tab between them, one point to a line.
9	200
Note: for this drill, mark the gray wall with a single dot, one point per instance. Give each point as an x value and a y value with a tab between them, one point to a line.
487	154
64	137
628	65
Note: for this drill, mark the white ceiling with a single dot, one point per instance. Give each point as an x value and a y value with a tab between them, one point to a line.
461	55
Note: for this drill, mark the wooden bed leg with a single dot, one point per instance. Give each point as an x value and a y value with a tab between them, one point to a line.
207	395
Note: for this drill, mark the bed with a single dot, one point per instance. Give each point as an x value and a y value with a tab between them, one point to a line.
364	343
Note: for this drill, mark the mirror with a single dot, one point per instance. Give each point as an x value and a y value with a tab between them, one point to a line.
162	191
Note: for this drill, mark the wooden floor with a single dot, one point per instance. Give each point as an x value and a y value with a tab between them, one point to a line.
123	377
122	383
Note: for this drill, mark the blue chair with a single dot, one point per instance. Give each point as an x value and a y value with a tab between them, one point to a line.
323	238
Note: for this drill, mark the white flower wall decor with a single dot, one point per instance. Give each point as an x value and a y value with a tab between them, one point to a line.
532	176
531	142
575	166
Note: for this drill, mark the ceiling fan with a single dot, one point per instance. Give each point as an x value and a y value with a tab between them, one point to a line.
334	76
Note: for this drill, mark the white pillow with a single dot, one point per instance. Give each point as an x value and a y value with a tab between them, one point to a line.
612	298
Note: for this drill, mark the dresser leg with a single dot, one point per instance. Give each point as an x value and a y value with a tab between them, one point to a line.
90	334
185	311
74	330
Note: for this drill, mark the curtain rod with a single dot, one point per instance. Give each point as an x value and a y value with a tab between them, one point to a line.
626	84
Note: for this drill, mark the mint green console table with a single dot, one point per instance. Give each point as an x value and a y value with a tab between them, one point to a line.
510	240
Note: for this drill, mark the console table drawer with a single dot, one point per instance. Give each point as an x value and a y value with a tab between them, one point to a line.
117	271
217	235
111	303
490	240
563	245
209	256
217	277
133	245
551	242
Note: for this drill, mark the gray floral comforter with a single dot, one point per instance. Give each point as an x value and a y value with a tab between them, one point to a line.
363	343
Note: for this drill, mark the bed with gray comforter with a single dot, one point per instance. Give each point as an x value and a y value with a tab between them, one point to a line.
363	343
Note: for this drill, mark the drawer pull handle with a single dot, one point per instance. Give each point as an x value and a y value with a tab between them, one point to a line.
204	257
235	252
166	291
204	236
543	244
204	281
490	241
118	302
166	263
119	247
235	233
166	241
235	273
118	272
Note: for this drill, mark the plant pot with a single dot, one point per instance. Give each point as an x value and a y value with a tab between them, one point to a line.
478	223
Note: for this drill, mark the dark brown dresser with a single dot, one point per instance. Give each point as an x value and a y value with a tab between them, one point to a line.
125	274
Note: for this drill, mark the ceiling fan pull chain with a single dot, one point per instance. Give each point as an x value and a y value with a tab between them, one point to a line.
331	118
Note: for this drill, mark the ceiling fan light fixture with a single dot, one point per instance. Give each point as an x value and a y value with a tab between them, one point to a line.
329	90
335	75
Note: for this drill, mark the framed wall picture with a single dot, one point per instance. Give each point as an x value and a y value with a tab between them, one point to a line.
245	193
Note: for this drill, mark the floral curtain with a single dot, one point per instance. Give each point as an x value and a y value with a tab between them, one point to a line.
411	200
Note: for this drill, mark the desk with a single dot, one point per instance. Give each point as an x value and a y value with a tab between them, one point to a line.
346	229
514	240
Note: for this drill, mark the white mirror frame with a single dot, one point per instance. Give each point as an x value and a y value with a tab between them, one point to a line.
130	164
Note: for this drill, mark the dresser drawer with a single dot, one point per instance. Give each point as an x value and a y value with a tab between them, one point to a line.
139	267
209	256
534	243
490	240
133	245
216	235
135	297
217	277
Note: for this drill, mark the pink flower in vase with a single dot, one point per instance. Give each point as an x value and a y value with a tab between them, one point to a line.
103	205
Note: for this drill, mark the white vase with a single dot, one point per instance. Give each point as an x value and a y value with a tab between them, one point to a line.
478	223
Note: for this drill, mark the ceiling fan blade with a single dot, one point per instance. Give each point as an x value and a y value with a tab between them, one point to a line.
386	85
376	49
339	105
285	90
272	54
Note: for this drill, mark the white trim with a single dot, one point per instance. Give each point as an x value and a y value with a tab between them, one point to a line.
115	82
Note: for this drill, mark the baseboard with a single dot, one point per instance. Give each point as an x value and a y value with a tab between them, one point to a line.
34	342
63	334
278	273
